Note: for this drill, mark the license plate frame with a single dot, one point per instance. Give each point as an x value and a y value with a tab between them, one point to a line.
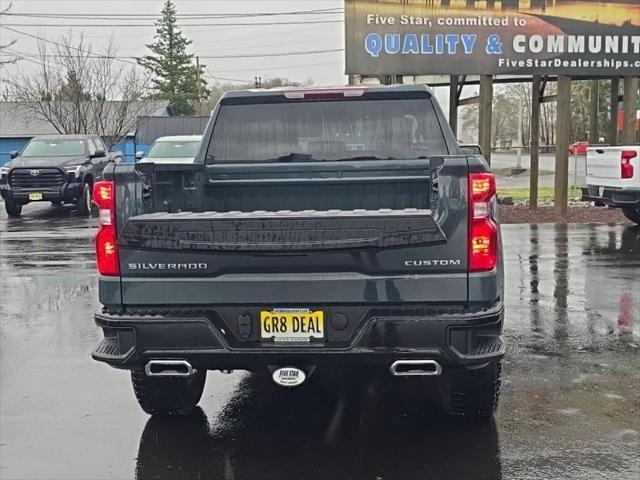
291	325
35	196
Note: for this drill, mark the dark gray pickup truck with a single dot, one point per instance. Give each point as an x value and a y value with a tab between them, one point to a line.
55	168
319	229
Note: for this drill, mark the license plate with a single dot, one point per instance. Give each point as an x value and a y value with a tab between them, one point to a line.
35	196
291	325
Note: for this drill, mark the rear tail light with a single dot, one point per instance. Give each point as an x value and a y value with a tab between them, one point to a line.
483	231
106	238
626	169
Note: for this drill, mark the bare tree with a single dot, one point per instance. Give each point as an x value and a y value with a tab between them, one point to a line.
84	91
7	59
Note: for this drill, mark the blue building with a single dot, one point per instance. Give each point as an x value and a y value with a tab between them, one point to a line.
18	126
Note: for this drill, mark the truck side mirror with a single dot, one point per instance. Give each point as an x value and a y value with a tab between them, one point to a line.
99	154
139	155
14	154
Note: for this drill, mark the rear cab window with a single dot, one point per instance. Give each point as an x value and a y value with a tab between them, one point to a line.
276	129
174	149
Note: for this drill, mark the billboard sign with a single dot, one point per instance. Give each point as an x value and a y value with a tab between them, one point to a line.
492	37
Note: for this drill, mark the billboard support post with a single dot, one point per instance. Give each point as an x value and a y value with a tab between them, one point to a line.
629	106
593	112
536	93
563	125
613	121
453	104
484	126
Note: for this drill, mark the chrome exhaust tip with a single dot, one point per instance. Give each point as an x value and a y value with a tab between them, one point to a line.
409	368
169	368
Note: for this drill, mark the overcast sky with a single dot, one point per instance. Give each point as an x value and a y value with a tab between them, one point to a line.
323	68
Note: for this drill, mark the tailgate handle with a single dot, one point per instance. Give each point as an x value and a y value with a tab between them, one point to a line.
599	150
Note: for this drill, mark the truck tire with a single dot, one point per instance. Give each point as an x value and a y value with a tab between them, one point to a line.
632	214
474	393
83	204
168	396
13	209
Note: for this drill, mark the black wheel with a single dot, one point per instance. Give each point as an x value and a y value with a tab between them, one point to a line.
168	396
83	204
474	393
632	214
13	209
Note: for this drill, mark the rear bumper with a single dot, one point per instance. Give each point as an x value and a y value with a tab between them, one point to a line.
613	197
208	339
69	192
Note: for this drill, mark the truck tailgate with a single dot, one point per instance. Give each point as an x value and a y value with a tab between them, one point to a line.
604	167
408	245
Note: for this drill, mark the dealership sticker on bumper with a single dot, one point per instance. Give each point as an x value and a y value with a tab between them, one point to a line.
289	377
291	325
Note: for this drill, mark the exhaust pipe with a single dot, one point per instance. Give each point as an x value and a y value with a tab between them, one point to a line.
408	368
169	368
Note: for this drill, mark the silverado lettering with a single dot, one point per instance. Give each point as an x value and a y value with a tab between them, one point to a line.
167	266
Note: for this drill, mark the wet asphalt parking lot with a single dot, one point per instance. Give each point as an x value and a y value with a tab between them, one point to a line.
570	406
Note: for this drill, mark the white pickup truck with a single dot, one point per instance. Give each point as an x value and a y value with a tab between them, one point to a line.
613	179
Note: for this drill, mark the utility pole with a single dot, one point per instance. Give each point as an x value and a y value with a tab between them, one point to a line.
199	82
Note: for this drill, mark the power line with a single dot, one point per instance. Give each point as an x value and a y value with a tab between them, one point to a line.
248	55
143	25
42	62
46	40
140	1
128	59
227	39
190	16
282	67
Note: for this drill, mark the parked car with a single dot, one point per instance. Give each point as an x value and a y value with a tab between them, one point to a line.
470	149
613	179
55	168
318	229
578	148
176	149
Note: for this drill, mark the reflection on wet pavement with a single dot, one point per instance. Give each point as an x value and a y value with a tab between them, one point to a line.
570	405
338	428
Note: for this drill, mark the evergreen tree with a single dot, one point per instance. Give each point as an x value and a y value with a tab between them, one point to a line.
175	76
